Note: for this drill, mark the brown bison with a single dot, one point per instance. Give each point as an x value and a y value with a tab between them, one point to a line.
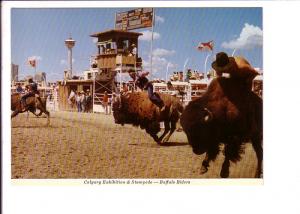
136	109
227	113
33	103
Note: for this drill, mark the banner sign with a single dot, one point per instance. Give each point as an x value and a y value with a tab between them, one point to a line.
134	19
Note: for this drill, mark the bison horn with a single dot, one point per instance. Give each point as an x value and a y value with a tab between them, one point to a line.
209	116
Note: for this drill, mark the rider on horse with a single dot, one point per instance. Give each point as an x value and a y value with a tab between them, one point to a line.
33	90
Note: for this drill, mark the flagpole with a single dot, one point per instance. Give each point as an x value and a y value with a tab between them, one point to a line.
208	55
167	72
185	63
115	20
153	20
233	52
35	70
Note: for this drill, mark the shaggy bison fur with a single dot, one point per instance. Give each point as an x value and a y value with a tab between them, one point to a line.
136	109
227	113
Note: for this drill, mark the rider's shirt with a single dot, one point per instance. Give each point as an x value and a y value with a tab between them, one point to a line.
19	89
142	81
33	87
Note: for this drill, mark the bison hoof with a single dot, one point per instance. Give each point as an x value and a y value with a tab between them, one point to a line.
165	140
258	174
158	142
224	173
203	170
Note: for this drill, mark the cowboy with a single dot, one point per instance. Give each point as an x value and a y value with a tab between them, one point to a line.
72	94
88	98
82	101
133	50
112	100
105	102
143	83
237	67
32	91
78	101
19	88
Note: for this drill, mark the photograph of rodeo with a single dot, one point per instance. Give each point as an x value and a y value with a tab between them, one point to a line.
136	93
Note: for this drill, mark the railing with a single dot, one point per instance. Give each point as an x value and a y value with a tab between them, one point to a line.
189	91
98	97
98	102
120	59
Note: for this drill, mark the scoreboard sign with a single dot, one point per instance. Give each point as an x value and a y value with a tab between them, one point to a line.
134	19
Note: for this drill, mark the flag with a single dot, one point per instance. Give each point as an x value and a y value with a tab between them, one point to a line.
32	62
205	46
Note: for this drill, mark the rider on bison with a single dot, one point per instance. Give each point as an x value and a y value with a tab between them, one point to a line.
143	83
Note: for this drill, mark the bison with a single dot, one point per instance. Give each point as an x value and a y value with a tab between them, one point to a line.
136	109
227	113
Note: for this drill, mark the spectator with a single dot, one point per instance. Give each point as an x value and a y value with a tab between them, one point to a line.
78	101
71	98
180	77
201	76
112	100
188	75
105	102
88	99
133	50
82	101
171	88
19	88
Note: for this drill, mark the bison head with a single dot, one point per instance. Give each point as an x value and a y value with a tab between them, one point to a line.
120	112
198	126
117	111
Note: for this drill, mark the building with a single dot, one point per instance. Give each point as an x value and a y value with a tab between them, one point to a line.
40	77
117	52
14	72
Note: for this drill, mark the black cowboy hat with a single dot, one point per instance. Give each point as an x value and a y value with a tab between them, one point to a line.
223	62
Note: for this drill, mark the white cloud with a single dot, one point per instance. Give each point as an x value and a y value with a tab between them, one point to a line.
147	35
159	66
159	19
159	62
250	37
159	52
38	58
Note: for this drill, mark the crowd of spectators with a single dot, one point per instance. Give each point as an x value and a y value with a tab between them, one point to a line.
82	99
190	75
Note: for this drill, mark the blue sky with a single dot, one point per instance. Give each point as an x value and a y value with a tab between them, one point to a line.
40	33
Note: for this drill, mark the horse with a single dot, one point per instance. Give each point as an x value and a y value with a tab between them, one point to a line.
39	106
33	103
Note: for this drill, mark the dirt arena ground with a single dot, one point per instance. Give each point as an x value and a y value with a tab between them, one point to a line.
81	145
